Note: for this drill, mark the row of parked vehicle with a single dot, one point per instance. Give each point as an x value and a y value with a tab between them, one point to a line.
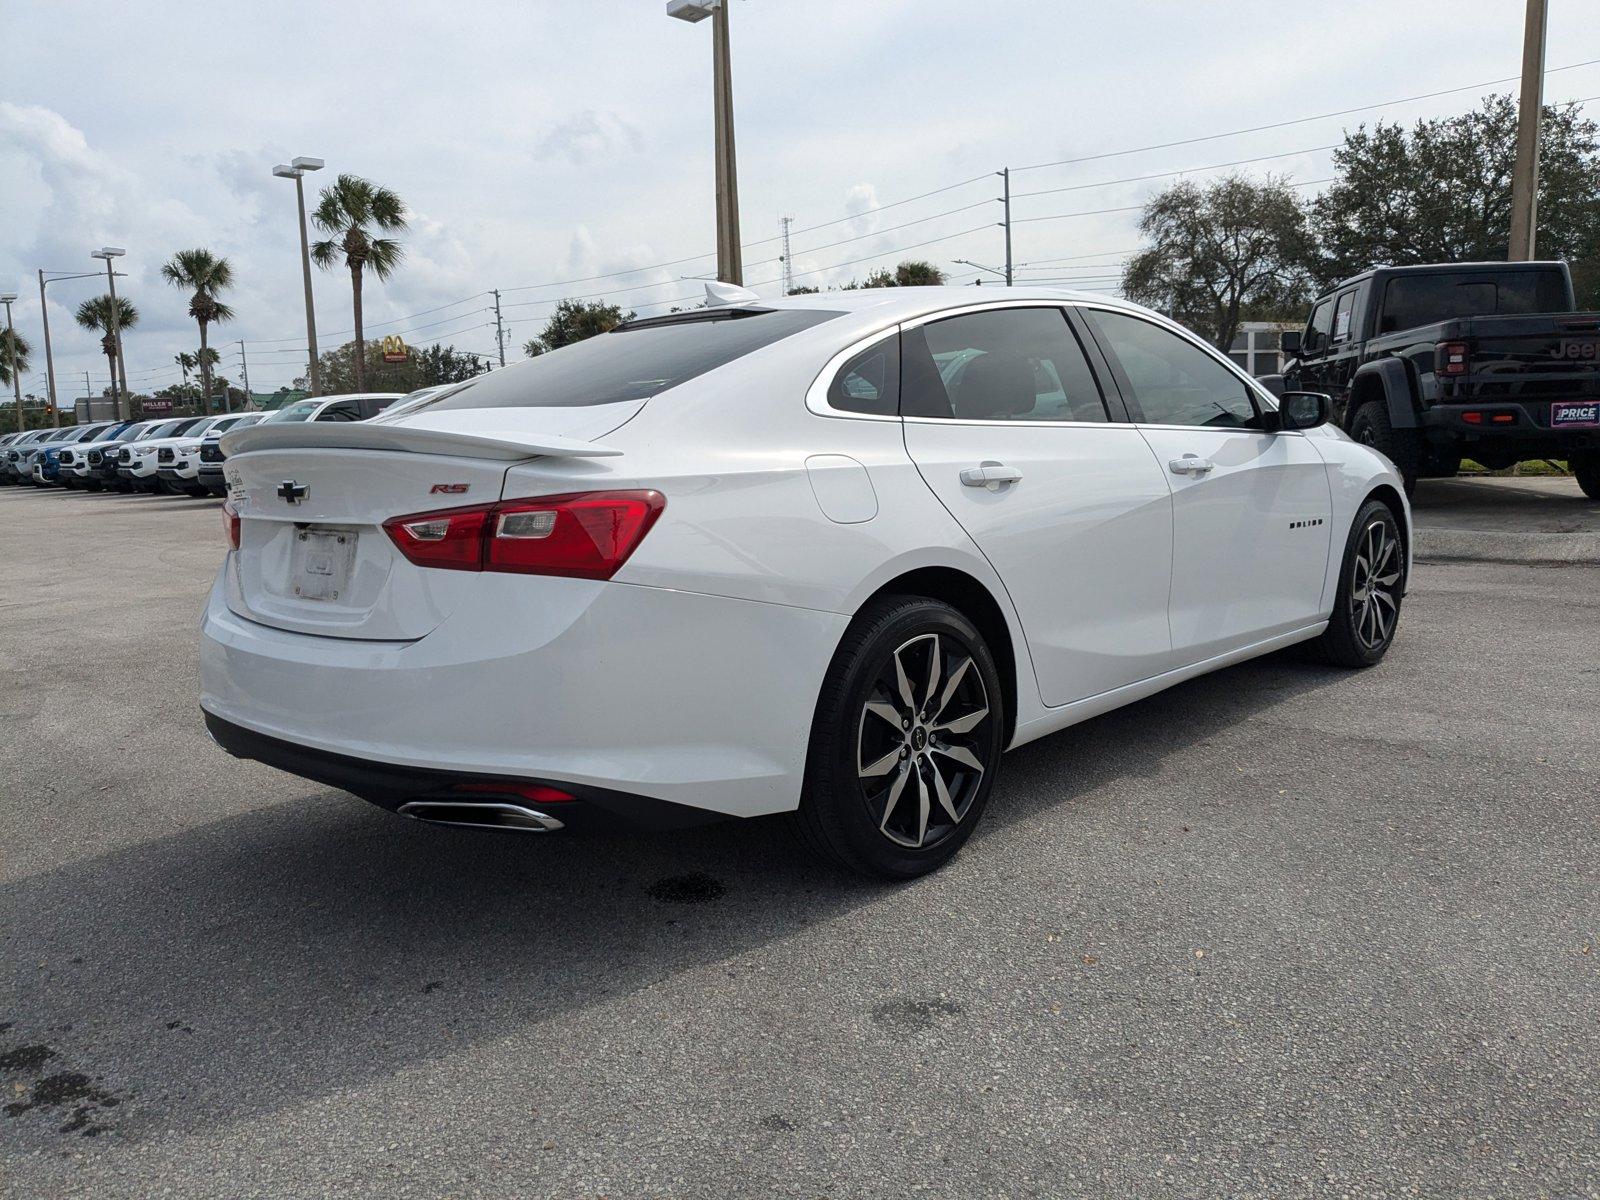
180	455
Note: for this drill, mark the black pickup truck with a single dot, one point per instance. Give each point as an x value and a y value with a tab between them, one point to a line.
1433	364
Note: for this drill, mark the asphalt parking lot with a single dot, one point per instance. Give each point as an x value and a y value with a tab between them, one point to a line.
1281	931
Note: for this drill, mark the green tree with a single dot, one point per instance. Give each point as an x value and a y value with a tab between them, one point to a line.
186	363
445	364
95	314
23	350
423	368
802	291
1442	193
204	275
1218	252
910	273
573	321
355	213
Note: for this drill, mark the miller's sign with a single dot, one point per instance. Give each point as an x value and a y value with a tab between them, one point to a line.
394	349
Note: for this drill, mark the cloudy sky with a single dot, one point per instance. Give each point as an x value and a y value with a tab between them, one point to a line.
542	143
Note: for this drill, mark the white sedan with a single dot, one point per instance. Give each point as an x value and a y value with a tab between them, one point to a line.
833	553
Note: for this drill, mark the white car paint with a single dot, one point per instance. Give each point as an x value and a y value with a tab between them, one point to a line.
693	674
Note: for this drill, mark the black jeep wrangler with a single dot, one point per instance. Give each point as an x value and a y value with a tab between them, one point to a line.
1434	364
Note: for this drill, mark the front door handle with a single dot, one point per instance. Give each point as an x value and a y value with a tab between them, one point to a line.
1189	464
991	475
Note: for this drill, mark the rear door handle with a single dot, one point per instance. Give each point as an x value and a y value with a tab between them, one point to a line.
1189	464
990	475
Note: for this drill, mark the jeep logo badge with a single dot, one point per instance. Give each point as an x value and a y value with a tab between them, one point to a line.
293	492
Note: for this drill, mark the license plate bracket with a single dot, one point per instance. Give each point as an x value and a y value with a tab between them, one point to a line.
1574	414
321	564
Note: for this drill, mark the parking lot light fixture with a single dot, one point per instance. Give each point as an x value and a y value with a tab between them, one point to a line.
11	336
730	267
120	400
296	170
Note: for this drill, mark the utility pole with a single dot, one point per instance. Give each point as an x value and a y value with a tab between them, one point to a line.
499	328
788	259
1525	176
244	372
1005	174
16	367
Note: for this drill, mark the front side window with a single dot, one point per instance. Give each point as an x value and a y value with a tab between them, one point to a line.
340	412
297	412
1320	327
869	382
1010	364
1174	382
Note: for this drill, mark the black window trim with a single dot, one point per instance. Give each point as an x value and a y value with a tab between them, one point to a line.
1262	400
1117	412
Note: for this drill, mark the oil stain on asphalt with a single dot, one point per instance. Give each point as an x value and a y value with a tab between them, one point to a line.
62	1090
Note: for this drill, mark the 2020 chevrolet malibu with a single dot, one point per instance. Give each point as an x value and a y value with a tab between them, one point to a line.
831	554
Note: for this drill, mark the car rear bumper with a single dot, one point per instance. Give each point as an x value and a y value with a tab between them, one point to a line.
1510	424
679	697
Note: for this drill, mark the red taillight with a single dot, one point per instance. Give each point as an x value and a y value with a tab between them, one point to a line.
1472	417
587	535
1452	358
230	518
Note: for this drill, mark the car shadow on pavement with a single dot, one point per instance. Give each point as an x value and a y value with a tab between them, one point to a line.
309	946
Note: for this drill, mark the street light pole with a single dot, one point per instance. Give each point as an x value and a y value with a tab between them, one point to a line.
730	265
44	312
16	368
124	404
1525	176
49	362
296	170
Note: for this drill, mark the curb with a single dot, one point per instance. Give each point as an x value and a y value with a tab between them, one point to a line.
1522	549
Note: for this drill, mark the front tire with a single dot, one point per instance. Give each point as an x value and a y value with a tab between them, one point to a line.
1372	580
1371	427
906	740
1586	470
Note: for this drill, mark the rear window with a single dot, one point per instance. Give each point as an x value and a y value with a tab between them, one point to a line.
1412	300
630	363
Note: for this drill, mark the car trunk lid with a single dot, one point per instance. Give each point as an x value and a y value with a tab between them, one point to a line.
312	499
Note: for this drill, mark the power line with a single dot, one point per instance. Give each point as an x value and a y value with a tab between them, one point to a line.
1343	112
1095	212
1238	162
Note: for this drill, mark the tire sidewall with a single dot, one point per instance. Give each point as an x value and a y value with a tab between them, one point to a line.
834	789
1341	611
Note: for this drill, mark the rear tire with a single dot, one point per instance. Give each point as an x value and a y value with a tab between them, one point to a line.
1586	470
1371	427
906	740
1372	580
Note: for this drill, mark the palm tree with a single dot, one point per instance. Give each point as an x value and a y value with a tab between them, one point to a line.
205	274
23	350
186	363
353	212
95	314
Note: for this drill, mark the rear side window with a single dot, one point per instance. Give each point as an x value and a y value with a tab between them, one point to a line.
1342	312
343	411
869	382
1174	382
1014	364
1412	300
629	363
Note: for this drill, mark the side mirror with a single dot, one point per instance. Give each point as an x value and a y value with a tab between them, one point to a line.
1302	410
1290	342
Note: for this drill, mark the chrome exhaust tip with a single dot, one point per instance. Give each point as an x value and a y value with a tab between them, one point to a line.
481	815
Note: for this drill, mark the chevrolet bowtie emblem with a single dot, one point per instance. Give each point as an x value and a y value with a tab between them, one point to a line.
293	492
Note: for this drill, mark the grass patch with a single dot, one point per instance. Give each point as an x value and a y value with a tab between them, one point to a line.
1537	467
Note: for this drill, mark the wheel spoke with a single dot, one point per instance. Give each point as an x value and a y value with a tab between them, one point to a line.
961	755
923	807
888	712
1388	581
935	665
903	685
962	725
882	766
895	789
950	687
943	793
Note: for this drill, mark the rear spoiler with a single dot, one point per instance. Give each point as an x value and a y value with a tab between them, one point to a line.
409	439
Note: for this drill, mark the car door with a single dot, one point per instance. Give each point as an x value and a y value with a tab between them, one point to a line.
1005	420
1250	509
